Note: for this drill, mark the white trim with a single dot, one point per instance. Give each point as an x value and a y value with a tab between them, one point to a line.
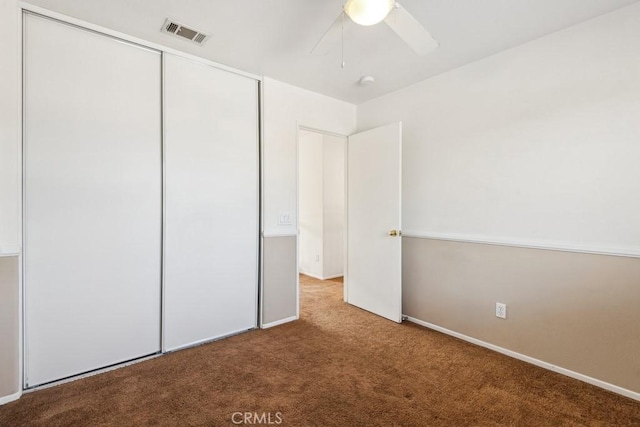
322	132
345	229
261	204
21	349
279	322
163	196
9	251
529	244
267	234
315	276
21	218
335	276
23	352
258	223
546	365
144	43
10	398
297	268
261	284
297	219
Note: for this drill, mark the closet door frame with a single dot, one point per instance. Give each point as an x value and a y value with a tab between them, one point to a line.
26	8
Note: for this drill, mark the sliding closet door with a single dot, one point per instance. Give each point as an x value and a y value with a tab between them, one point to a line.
92	147
211	179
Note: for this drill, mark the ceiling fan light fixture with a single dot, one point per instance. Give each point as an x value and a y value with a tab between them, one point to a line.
368	12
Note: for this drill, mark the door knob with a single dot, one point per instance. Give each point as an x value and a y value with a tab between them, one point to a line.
394	233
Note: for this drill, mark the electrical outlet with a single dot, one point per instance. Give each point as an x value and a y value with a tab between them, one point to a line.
317	258
501	310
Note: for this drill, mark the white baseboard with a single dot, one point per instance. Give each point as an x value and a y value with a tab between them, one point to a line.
320	277
576	375
10	398
279	322
301	271
333	277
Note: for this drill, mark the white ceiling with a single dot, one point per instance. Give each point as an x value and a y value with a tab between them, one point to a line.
274	37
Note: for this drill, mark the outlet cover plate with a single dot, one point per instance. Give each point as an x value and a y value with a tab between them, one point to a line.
501	310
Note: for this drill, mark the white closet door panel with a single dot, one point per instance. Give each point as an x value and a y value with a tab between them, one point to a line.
211	160
92	200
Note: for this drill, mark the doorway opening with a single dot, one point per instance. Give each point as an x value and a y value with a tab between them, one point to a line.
321	205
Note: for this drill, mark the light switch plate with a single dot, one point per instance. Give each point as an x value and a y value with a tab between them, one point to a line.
284	218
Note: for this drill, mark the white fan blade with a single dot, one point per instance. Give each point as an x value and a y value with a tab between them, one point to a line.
410	30
331	37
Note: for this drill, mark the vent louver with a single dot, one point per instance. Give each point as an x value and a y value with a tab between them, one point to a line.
177	29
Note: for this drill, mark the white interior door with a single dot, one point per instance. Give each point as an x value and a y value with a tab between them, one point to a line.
374	259
92	148
211	181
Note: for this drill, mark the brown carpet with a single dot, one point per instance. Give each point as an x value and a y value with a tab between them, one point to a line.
337	366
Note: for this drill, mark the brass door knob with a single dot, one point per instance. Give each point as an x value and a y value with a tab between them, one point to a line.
394	233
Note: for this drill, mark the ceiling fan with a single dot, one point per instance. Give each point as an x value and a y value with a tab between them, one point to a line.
371	12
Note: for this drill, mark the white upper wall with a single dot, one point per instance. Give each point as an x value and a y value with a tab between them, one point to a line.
285	108
10	167
536	144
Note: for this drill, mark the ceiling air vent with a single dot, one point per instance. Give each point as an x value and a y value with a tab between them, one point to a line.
177	29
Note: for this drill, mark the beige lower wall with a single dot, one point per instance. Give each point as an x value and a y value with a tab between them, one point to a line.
576	311
280	279
9	324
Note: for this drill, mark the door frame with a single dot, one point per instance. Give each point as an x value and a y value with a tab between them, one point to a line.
302	127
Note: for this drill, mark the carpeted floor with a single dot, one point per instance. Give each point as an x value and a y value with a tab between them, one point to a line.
337	366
